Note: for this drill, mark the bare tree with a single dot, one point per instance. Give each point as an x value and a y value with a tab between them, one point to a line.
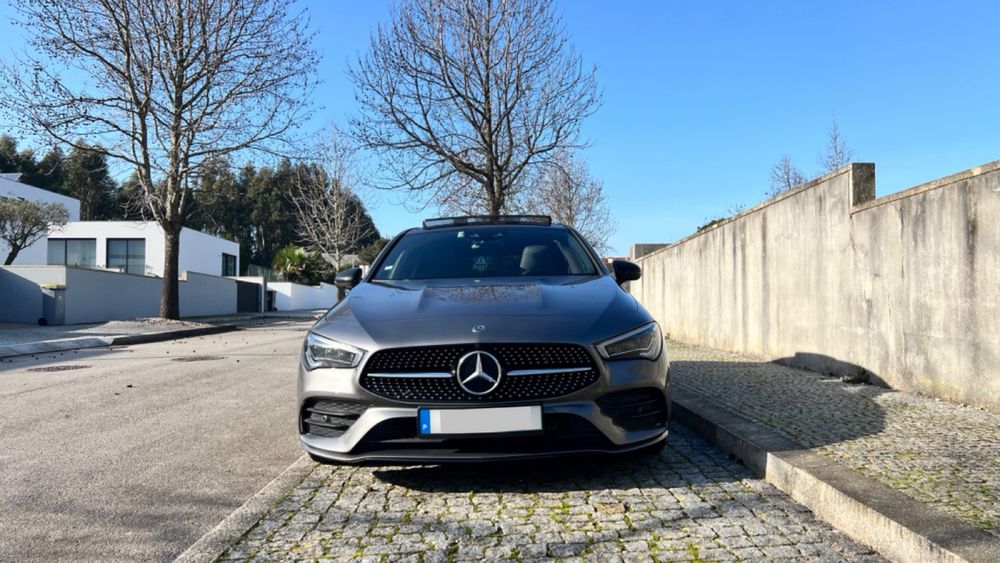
22	223
571	196
784	177
837	152
462	195
166	86
330	214
470	95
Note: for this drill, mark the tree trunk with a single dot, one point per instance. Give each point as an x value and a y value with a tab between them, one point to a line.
170	297
495	203
11	256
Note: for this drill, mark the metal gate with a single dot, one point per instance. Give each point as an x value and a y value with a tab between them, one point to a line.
247	297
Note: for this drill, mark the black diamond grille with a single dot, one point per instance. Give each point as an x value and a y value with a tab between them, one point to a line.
512	357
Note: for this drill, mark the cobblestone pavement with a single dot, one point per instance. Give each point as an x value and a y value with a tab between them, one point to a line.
943	454
688	504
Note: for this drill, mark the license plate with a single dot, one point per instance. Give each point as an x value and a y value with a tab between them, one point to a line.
480	421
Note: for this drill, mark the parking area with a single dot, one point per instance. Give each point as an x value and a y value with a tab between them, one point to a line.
136	452
689	503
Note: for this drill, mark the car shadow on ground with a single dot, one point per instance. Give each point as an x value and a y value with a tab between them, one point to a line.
688	503
685	461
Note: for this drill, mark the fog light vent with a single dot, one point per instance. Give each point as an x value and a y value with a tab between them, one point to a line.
330	418
636	409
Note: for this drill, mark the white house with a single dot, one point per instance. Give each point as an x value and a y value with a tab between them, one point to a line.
134	247
94	291
10	187
137	247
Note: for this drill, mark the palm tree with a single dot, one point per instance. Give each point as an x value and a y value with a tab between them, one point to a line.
291	261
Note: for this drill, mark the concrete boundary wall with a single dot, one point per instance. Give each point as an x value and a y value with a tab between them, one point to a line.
293	296
202	295
92	296
21	294
904	288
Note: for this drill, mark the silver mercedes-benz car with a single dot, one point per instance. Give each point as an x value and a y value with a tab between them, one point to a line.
478	338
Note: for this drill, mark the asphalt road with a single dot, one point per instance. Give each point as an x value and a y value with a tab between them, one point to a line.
133	455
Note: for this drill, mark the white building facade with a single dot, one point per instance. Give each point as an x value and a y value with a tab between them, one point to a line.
11	188
137	247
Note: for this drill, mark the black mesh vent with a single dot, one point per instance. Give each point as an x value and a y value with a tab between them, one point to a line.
444	359
636	409
330	418
562	432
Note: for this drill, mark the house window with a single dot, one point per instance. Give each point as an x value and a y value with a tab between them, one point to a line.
127	255
228	265
72	252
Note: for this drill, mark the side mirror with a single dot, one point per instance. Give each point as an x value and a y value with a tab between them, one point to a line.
348	278
625	271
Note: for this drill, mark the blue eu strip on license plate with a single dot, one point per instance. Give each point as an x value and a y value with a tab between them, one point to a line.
425	421
480	420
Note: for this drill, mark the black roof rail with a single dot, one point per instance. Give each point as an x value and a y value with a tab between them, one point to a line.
487	220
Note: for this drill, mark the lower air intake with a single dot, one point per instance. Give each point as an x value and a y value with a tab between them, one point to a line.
636	409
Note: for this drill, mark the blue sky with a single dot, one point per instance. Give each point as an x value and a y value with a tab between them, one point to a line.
701	99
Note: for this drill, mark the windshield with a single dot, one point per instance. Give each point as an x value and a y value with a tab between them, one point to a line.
486	252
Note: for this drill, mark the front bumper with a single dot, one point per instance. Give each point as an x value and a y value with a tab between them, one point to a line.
581	423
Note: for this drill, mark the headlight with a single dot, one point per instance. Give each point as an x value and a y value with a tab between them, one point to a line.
325	353
643	342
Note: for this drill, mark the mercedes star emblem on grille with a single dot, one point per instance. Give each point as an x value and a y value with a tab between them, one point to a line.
478	372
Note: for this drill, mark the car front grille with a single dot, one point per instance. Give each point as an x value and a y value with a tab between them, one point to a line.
329	418
531	372
636	409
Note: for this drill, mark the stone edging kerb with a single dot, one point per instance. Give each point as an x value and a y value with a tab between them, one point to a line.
897	526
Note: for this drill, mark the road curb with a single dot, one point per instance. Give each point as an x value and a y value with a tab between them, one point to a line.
170	335
47	346
897	526
82	343
217	540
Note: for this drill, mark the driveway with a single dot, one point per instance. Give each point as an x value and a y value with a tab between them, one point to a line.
688	504
134	453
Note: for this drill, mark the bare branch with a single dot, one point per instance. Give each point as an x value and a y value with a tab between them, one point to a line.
166	88
837	152
784	177
571	196
470	95
331	214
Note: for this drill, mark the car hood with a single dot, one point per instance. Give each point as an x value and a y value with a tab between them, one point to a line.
564	309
